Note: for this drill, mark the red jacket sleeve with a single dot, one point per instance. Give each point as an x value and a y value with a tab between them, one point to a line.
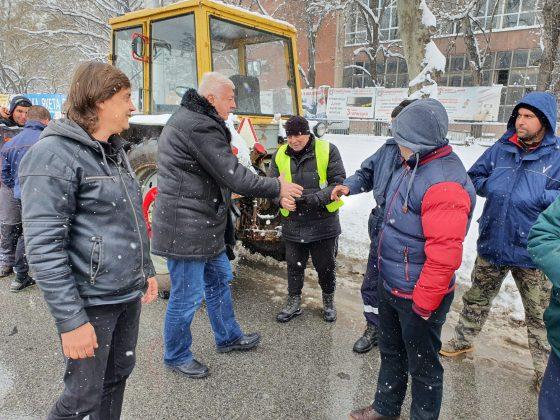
445	215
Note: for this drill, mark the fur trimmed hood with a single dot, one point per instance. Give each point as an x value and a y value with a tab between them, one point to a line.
199	104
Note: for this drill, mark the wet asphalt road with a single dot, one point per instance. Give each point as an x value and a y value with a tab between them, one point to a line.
302	370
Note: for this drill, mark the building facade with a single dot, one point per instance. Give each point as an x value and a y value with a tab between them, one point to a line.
511	26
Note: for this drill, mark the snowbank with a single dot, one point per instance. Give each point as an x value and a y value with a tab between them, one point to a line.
354	241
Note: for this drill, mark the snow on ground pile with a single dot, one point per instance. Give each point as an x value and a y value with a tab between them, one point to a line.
354	241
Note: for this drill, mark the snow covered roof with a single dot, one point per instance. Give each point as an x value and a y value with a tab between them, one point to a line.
149	119
152	12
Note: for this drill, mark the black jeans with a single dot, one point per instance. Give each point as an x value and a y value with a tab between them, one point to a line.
323	254
12	249
95	386
409	344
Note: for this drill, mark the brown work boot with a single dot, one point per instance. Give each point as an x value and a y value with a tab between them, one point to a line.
368	413
455	347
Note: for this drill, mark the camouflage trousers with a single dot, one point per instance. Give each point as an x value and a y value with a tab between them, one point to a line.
535	291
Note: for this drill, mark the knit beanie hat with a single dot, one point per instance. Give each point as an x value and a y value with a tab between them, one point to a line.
297	126
19	100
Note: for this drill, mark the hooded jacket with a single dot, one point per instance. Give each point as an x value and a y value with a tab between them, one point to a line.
197	173
13	152
429	206
518	186
85	237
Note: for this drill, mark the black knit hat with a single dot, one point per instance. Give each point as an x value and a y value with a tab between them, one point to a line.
19	100
297	126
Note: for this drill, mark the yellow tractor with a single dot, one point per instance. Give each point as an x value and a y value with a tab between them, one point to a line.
165	51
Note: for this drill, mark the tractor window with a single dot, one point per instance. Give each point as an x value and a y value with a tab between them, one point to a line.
260	64
173	62
133	68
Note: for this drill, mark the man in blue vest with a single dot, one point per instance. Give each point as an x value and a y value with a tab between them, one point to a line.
310	223
520	177
375	175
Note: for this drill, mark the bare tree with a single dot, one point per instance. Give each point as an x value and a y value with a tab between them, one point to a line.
370	16
417	24
475	35
84	30
22	68
549	77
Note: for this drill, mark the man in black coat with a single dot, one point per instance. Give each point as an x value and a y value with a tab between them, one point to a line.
310	224
197	175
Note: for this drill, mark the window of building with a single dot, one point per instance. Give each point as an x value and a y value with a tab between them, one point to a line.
392	65
355	27
535	57
520	58
388	24
457	63
502	77
503	59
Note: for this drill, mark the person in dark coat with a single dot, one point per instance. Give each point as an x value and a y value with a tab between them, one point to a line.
197	174
543	246
37	119
429	206
520	177
310	224
10	213
375	175
86	241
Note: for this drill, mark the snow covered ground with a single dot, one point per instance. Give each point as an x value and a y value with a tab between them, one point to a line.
354	241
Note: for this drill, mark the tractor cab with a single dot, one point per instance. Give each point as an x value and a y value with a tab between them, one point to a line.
165	51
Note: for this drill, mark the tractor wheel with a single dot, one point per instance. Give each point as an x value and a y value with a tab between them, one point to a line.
143	159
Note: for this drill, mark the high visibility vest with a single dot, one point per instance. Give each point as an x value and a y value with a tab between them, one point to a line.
322	150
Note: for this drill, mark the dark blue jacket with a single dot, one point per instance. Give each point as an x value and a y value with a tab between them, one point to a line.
13	152
518	186
429	206
375	175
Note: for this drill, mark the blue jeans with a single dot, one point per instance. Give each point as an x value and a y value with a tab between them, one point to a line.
549	403
192	281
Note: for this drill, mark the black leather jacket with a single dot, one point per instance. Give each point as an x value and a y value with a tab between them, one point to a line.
85	237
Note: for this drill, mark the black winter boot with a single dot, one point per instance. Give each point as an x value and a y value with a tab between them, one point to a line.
329	311
366	342
291	309
21	282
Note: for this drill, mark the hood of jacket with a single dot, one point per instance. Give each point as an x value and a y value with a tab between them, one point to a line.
421	126
544	102
69	129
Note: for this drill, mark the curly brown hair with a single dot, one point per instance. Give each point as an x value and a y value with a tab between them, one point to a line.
93	82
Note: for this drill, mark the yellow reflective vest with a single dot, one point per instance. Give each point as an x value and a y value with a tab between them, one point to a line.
322	150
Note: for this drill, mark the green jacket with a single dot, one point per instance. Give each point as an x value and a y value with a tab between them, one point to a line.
544	248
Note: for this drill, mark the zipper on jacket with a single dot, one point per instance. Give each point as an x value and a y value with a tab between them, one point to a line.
406	267
97	177
96	248
389	212
135	221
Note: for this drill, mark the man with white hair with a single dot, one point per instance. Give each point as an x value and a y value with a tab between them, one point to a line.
197	174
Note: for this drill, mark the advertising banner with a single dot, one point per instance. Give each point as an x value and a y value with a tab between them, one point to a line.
479	103
386	100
